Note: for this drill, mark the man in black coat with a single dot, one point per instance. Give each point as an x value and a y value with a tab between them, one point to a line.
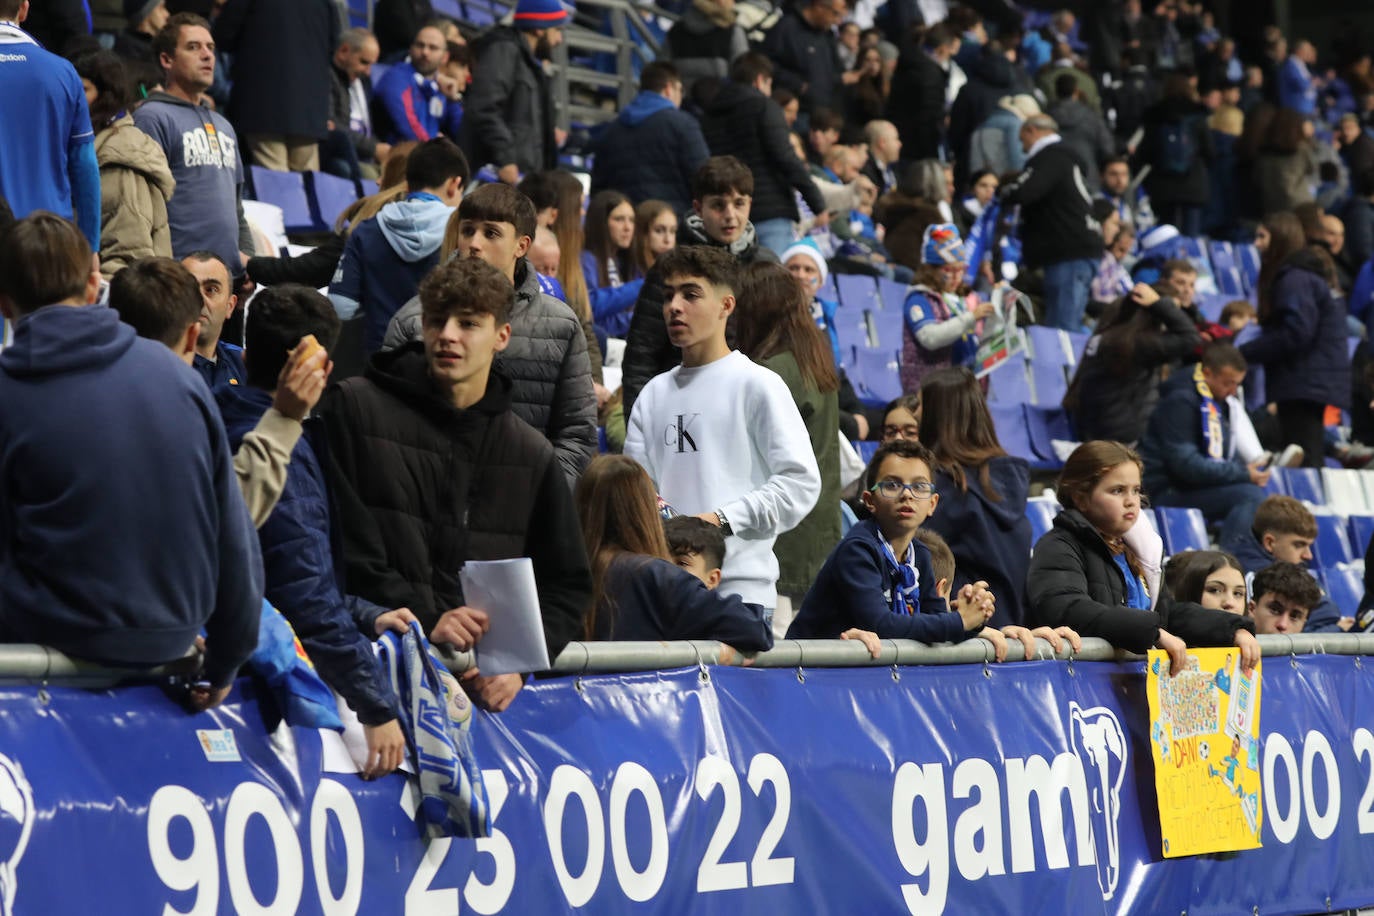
652	150
508	119
806	56
722	192
1058	231
430	469
281	77
743	121
917	101
350	103
993	76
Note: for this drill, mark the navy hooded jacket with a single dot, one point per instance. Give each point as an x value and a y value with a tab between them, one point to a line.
648	599
991	540
1172	449
650	152
1303	344
124	531
1252	555
302	581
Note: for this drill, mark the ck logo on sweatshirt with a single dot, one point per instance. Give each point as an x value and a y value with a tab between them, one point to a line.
676	435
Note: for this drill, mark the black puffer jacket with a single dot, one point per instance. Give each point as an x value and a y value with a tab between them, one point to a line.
744	123
1190	188
916	104
805	60
422	487
546	361
508	112
648	351
1075	582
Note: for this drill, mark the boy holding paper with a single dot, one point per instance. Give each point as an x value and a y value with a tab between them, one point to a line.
430	469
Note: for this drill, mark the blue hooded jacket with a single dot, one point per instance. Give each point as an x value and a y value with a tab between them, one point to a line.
302	580
124	529
385	259
650	152
990	539
1252	555
612	306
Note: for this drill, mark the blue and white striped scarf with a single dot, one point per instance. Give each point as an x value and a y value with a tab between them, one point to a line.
437	722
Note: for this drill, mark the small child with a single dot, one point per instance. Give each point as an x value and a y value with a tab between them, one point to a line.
1283	532
944	319
1284	595
1237	315
697	546
941	560
864	583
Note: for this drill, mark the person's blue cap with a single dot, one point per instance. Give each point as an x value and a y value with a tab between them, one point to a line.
943	245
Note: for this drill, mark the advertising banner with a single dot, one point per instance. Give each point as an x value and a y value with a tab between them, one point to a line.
1020	788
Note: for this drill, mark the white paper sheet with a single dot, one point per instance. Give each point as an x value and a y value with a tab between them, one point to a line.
505	590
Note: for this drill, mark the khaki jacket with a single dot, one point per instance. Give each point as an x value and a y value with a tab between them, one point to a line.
135	185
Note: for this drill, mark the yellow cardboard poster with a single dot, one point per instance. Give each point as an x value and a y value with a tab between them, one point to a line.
1204	738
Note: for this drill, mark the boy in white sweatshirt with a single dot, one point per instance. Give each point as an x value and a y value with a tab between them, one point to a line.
719	435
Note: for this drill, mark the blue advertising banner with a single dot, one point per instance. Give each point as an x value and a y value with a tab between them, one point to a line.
1024	788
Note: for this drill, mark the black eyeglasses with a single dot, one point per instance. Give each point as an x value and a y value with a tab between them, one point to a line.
893	489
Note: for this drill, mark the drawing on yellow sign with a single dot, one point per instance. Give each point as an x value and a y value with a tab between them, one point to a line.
1204	738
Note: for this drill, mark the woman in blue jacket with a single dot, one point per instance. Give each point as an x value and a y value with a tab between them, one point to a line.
982	491
638	593
608	262
1302	341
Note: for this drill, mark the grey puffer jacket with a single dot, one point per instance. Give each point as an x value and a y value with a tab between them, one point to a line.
547	363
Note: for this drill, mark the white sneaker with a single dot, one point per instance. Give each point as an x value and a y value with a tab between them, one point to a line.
1291	456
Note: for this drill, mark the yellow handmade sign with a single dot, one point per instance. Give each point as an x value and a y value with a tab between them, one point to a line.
1204	738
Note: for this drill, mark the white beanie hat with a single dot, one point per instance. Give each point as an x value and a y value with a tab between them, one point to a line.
808	248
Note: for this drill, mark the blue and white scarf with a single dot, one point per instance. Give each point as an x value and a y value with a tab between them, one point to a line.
907	597
1213	437
437	723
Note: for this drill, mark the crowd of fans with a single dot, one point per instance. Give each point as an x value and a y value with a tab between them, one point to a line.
674	312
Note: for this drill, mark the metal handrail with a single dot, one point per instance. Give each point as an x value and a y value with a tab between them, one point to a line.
31	664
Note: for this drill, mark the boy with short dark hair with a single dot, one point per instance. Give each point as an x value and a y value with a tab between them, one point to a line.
720	436
297	548
546	357
880	577
387	256
722	195
1283	531
430	468
697	546
1236	315
1282	597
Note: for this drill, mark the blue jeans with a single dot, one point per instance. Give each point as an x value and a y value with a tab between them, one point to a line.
1068	285
777	235
1231	505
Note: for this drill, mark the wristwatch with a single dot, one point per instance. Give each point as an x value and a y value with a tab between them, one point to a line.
724	523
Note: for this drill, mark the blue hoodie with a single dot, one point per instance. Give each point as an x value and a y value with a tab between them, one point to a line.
990	539
1252	555
124	529
385	259
650	152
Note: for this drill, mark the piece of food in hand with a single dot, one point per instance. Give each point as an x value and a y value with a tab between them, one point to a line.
308	347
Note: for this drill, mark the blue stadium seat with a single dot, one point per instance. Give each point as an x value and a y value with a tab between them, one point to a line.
1230	284
852	333
1047	345
1044	425
1078	342
1223	256
866	448
1211	304
1274	486
1303	483
828	290
1049	383
875	375
1041	513
449	8
1345	587
1248	260
332	196
891	294
368	187
1009	384
357	13
1333	541
1182	529
285	190
1012	431
857	291
887	326
1361	532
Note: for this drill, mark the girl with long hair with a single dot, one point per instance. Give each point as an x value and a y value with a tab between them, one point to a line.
1212	578
774	328
608	264
638	593
655	233
568	228
1302	341
1116	385
982	490
1085	574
